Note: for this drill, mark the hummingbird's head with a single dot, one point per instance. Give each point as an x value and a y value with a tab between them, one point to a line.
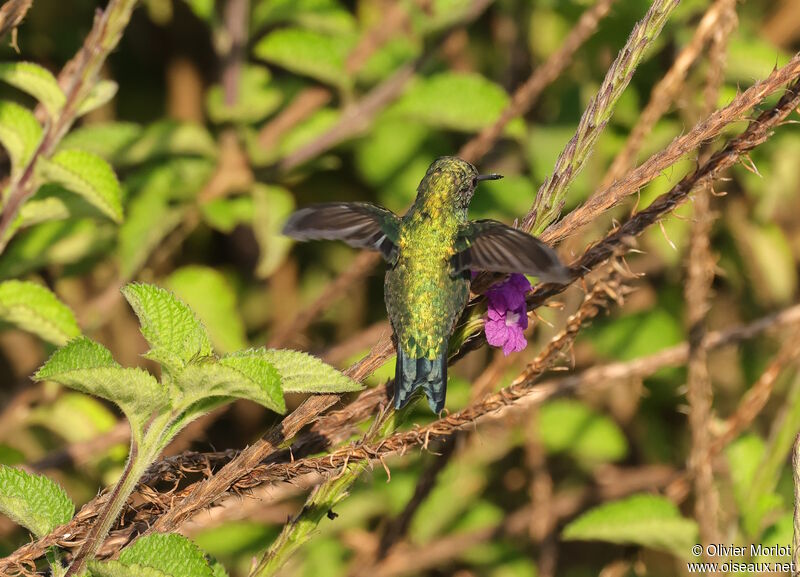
452	180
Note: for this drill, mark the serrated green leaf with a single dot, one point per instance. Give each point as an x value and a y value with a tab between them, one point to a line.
272	205
242	375
225	214
463	102
648	520
175	334
570	426
303	373
36	309
36	81
320	56
88	367
34	501
20	134
257	98
107	139
117	569
88	175
171	553
99	95
213	300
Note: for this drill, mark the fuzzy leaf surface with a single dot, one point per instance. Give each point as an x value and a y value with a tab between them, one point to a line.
303	373
88	175
174	332
171	554
87	366
34	501
101	93
241	375
35	309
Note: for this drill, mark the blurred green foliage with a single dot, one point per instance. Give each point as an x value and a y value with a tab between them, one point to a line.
170	179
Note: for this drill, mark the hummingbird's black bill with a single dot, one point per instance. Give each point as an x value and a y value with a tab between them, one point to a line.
492	176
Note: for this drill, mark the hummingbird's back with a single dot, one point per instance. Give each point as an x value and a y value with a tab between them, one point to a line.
423	299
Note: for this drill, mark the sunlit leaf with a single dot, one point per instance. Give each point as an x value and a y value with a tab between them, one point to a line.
175	334
213	300
36	309
88	175
20	134
36	81
649	520
33	501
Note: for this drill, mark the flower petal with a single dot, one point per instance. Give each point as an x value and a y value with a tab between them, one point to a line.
497	333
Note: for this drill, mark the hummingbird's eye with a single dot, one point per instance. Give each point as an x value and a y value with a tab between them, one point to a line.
474	181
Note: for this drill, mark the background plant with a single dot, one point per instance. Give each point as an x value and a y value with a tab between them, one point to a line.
167	144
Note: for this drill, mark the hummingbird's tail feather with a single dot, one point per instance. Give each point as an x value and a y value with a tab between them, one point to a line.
411	374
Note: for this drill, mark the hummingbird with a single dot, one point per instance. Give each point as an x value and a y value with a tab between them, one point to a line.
430	253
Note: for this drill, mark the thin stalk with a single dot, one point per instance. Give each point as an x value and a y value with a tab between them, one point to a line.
550	196
109	514
319	504
796	532
767	474
141	457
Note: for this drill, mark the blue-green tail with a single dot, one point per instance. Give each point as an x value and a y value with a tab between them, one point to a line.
411	374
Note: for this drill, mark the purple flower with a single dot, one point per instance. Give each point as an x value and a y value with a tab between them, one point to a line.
508	316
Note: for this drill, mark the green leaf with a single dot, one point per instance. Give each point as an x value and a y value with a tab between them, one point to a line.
272	206
88	175
109	139
744	456
303	373
100	94
75	417
20	134
117	569
213	299
36	309
570	426
171	553
242	375
225	214
34	501
648	520
175	334
87	366
321	15
36	81
38	210
169	138
150	219
463	102
320	56
203	9
58	242
257	98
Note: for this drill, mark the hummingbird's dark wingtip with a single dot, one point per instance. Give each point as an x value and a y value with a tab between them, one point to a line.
492	176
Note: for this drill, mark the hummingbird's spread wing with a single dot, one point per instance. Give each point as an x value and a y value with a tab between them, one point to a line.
492	246
359	224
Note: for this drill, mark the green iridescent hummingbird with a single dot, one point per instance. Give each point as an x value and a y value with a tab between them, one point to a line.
430	253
